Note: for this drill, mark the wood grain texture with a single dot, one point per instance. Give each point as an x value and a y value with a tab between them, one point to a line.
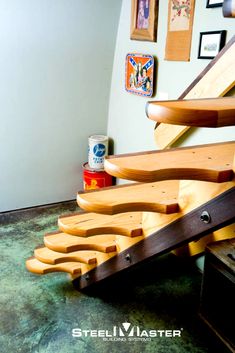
187	228
154	197
87	224
66	243
123	243
214	81
75	269
40	268
48	256
103	246
198	246
195	112
212	162
192	194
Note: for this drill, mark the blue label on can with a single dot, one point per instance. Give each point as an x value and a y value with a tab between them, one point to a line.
99	150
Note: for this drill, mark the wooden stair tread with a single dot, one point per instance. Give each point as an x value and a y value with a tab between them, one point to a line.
212	162
74	268
38	267
215	80
214	112
48	256
87	224
66	243
153	197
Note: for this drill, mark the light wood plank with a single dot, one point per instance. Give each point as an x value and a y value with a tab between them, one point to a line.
192	194
154	197
197	112
214	81
48	256
212	162
84	256
105	246
35	266
198	246
87	224
66	243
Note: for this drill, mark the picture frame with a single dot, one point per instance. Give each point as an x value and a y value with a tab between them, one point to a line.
214	3
229	8
144	19
210	44
139	74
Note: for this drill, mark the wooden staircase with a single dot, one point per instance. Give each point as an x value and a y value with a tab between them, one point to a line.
179	197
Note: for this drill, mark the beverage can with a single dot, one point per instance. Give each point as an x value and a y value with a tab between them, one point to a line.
97	150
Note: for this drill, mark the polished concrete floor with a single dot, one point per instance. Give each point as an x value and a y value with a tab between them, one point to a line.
38	313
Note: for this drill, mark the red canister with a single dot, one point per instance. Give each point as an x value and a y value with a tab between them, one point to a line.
95	179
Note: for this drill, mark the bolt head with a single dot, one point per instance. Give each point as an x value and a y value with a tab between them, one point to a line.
205	217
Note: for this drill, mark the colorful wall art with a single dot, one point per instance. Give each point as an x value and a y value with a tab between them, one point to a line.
139	74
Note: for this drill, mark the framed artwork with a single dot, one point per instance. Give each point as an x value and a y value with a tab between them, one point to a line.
139	74
144	16
229	8
214	3
210	43
179	30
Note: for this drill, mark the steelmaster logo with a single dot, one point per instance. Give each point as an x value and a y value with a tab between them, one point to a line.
126	332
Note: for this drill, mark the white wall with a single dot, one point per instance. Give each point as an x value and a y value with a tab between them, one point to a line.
55	72
128	124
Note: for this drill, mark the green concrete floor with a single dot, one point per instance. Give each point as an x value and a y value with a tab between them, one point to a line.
38	313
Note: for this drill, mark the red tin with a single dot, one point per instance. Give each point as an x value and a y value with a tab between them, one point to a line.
95	179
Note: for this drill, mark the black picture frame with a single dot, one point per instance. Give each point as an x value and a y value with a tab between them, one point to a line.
210	44
211	3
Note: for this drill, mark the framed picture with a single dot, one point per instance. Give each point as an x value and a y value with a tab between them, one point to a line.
144	16
214	3
139	74
229	8
210	43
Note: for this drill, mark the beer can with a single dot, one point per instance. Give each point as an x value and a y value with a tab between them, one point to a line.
97	150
